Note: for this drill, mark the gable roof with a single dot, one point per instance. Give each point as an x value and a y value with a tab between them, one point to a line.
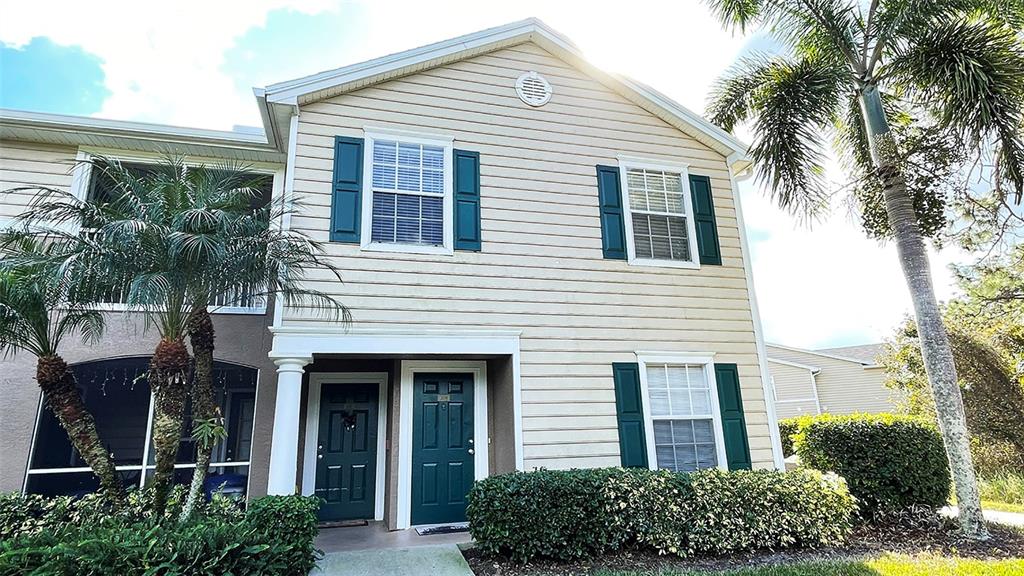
834	353
865	352
278	101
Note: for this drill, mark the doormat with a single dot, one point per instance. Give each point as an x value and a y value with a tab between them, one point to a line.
342	524
446	529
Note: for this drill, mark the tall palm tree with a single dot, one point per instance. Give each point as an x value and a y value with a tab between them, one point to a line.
173	242
36	315
853	70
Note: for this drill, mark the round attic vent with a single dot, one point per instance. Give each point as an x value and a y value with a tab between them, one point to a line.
533	89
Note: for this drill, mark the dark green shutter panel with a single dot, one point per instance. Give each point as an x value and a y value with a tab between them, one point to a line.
704	220
629	409
734	425
613	230
467	200
347	189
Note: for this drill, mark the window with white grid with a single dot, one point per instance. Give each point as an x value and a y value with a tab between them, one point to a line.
658	215
682	412
408	187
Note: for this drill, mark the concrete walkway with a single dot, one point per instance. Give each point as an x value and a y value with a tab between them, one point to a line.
435	560
1007	518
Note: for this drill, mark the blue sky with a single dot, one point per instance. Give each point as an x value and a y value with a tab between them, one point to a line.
826	286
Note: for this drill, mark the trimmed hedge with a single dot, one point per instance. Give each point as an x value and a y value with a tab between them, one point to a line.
889	462
64	536
572	514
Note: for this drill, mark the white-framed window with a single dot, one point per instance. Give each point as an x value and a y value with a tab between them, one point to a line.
658	213
407	192
683	419
87	184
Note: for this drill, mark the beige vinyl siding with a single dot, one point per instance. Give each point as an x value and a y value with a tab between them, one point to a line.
541	268
24	164
794	390
844	387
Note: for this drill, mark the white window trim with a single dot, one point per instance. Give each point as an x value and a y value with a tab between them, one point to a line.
627	162
312	436
81	177
708	362
366	223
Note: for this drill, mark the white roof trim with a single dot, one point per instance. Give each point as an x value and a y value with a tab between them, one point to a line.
146	130
300	90
813	369
823	354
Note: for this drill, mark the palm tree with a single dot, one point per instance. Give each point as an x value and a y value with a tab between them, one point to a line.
173	242
248	258
854	70
36	315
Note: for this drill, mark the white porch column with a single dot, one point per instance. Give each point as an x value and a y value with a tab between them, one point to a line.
284	446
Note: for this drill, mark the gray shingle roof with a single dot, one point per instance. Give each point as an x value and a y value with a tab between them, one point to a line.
863	352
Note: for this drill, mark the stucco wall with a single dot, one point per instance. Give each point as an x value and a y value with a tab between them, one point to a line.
241	339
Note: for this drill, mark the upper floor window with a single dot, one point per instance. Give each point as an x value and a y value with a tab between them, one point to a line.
410	193
659	216
101	186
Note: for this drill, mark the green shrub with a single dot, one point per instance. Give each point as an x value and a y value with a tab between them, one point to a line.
888	461
790	427
580	513
64	536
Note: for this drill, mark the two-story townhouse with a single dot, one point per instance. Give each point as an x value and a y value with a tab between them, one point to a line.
545	264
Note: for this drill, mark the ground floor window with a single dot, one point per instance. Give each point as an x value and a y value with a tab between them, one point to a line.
684	428
117	394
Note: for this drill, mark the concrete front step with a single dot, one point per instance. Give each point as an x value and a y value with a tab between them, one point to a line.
435	560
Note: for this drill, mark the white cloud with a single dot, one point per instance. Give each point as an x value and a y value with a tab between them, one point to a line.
163	63
161	60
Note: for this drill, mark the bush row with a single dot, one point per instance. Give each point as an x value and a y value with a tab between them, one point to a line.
61	536
580	513
889	462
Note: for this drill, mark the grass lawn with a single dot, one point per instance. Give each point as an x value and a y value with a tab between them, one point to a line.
887	565
1002	506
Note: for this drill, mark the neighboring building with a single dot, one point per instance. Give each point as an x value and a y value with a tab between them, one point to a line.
834	380
545	263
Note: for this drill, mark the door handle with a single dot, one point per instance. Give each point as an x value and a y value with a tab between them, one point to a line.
471	451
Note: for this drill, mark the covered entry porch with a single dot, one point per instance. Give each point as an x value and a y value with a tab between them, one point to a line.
393	427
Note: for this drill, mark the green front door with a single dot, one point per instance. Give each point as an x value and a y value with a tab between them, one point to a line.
346	465
442	447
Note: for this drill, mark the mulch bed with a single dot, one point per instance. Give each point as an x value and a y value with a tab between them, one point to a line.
867	541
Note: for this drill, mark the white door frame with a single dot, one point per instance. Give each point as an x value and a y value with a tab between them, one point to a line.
316	380
478	368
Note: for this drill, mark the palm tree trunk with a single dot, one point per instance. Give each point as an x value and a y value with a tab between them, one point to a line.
64	399
935	348
167	376
204	404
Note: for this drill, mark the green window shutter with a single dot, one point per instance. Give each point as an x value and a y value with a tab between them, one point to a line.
704	220
734	425
629	410
347	189
467	200
613	230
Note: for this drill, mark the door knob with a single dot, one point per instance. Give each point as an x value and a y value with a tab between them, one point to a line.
471	451
319	456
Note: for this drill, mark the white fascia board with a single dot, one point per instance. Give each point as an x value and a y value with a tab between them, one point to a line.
304	341
812	369
67	123
292	92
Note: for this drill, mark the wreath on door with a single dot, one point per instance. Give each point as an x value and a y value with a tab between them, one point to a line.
349	420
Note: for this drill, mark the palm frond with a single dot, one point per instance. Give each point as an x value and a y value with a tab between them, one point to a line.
968	70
